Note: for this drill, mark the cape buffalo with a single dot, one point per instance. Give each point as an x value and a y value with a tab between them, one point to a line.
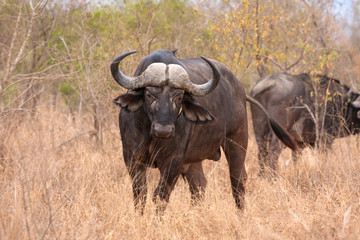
176	113
297	103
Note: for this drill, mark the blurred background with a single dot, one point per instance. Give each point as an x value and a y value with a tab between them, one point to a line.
55	51
61	170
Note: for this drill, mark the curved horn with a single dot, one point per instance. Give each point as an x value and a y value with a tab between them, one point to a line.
203	89
356	102
120	78
349	93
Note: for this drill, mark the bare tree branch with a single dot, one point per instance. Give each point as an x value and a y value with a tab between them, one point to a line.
14	37
11	64
36	11
296	62
275	63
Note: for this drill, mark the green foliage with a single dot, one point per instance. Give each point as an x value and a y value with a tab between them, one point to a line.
91	36
270	36
165	24
76	40
70	96
66	89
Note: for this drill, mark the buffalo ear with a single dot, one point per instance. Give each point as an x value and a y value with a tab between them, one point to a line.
131	101
194	112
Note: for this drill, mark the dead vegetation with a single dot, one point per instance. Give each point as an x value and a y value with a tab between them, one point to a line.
57	182
62	174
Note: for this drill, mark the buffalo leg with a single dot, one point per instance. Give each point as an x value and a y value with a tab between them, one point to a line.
263	155
262	137
137	173
197	181
168	177
274	152
295	155
235	151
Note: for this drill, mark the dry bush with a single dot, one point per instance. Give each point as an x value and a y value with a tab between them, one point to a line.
58	183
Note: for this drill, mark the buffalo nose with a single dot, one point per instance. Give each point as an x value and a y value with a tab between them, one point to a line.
163	131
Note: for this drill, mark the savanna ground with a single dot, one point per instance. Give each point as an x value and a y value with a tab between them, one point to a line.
56	182
62	174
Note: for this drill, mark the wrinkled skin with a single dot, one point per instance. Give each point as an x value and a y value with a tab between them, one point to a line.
291	101
174	131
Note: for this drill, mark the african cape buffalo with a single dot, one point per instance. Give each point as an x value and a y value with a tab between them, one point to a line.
297	103
176	113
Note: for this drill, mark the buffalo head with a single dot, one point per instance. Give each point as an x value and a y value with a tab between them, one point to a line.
355	118
164	91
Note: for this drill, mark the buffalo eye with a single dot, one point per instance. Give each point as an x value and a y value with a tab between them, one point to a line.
149	97
178	99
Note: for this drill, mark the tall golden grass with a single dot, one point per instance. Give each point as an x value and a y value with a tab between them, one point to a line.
57	183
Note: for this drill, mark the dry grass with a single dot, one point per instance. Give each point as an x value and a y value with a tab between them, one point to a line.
53	188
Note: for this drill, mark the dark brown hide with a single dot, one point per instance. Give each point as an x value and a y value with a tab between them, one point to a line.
169	128
291	101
